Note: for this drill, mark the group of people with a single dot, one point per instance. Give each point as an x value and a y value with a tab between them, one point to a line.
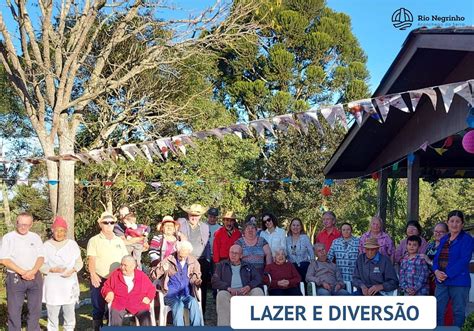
188	256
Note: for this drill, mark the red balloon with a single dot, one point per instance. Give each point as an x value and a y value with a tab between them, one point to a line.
326	191
468	142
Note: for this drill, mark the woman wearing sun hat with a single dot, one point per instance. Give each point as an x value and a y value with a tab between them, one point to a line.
163	244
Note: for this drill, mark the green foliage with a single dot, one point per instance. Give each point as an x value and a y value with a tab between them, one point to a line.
468	323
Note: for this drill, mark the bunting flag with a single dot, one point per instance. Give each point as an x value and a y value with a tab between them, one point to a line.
431	93
424	146
460	173
383	103
160	148
283	122
397	101
440	150
260	126
307	118
415	97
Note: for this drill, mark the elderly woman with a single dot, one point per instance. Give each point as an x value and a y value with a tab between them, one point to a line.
163	244
62	261
345	251
176	274
281	276
413	228
376	231
129	291
299	248
451	268
256	250
274	235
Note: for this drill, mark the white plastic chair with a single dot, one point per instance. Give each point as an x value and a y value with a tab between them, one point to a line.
137	322
164	309
265	287
312	285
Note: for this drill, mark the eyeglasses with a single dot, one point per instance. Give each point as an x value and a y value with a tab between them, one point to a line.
109	223
440	232
267	220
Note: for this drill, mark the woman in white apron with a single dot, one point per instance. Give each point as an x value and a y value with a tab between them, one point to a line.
62	261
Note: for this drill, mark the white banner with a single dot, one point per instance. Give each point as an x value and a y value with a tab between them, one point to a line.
336	312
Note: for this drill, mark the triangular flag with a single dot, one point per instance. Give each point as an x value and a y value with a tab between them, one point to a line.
163	148
53	181
464	92
215	132
95	155
384	106
307	118
155	185
178	143
329	115
424	146
356	109
448	142
283	122
241	128
447	94
415	97
147	152
460	173
440	150
411	158
398	102
431	93
261	125
22	182
395	166
340	114
152	149
132	151
84	157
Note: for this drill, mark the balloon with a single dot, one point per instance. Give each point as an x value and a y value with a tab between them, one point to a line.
468	142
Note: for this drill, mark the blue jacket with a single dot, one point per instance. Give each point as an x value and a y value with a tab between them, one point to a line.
460	253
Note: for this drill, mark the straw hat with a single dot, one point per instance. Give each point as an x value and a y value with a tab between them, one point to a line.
372	243
230	215
105	215
195	210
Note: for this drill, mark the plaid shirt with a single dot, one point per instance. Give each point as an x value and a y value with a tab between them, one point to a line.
414	274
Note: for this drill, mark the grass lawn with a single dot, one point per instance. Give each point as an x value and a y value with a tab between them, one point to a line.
84	313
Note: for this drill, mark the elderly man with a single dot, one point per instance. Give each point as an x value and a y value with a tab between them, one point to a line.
197	233
176	274
330	232
225	237
325	274
374	273
22	254
104	252
212	215
130	291
234	277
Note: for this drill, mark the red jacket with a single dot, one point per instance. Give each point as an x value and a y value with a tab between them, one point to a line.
132	302
326	238
222	244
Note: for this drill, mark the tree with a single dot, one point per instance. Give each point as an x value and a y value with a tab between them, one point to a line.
306	57
73	62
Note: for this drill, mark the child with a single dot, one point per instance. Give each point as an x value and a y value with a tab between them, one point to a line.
414	269
134	230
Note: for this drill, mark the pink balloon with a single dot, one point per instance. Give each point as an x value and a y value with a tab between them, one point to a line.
468	142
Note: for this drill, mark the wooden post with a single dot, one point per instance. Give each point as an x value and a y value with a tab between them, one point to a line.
413	176
382	195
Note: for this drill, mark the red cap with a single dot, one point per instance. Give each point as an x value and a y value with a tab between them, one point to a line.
59	222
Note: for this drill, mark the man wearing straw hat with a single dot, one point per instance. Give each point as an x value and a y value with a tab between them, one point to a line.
197	233
374	273
225	237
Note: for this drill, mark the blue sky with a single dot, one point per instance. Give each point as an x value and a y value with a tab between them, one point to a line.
372	24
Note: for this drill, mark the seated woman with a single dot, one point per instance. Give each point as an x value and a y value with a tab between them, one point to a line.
177	273
281	276
163	244
130	291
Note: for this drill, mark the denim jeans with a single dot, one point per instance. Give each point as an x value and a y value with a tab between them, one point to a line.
178	304
459	296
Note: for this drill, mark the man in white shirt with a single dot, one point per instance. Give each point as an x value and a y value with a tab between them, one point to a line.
22	254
